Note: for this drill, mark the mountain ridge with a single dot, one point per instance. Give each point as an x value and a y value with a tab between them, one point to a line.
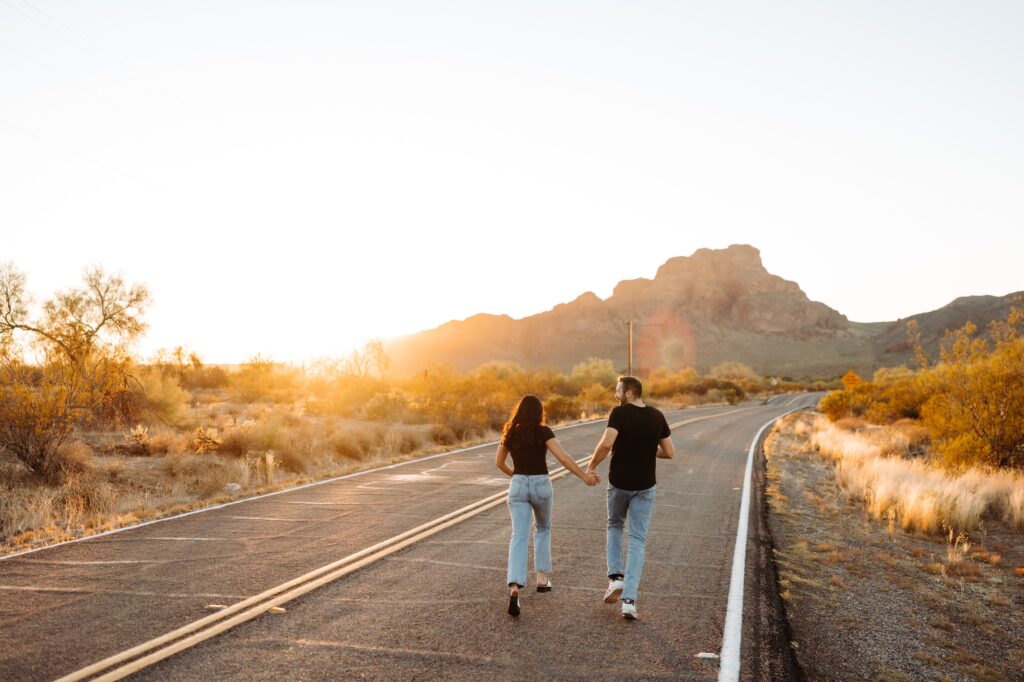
713	306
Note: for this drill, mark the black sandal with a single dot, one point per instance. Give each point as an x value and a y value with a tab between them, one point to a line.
546	587
513	605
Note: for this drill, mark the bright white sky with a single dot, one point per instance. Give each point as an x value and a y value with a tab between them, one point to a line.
294	178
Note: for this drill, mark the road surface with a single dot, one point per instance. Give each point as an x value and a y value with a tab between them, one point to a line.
434	609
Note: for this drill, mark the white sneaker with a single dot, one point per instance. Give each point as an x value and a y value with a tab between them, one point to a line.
628	610
614	592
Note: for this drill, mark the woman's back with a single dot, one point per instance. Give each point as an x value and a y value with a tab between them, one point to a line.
528	447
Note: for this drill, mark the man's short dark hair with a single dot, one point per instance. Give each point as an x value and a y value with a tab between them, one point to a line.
633	385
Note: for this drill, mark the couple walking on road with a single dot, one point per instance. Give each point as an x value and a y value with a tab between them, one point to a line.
636	436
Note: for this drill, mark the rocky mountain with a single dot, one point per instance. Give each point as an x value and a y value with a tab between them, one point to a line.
699	310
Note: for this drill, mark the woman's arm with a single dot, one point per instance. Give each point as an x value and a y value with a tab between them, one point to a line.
562	456
500	460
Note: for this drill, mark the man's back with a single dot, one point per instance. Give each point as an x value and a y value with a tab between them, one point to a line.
634	453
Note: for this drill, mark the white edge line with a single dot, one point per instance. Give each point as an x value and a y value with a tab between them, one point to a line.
280	492
733	630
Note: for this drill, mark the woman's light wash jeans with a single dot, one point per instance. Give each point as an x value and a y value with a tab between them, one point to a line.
526	494
636	506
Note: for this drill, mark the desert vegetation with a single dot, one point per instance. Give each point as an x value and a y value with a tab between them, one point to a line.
938	449
912	573
92	436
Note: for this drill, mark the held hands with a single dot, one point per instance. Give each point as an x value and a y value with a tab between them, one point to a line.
590	477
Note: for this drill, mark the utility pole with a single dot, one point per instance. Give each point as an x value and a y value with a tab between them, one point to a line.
629	327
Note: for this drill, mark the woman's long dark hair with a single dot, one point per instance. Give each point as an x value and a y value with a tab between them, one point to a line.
523	428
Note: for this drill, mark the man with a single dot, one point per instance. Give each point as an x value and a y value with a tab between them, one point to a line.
637	435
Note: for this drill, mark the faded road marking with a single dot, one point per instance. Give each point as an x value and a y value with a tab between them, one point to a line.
382	650
129	593
183	539
499	569
94	563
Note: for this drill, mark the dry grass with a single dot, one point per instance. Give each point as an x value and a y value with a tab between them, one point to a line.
150	472
897	604
871	465
838	582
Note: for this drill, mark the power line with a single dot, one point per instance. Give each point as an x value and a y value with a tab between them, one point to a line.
109	59
37	63
80	155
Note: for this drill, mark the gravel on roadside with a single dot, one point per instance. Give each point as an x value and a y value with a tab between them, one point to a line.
867	601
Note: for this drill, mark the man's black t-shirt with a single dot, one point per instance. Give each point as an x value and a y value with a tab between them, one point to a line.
529	455
635	451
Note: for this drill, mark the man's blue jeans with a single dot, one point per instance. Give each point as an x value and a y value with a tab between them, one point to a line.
636	507
528	494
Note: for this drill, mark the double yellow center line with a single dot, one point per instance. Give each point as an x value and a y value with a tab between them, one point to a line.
157	649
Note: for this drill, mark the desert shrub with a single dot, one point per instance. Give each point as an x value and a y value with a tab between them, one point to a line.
206	475
263	380
403	440
594	371
851	424
204	440
596	399
272	434
387	407
976	411
741	375
163	396
916	436
663	383
356	441
466	428
716	390
35	420
467	405
348	447
295	459
559	408
72	458
204	377
165	441
442	434
235	442
84	494
846	403
306	447
137	441
680	400
341	395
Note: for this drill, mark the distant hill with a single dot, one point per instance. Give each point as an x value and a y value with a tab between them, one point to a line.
892	347
710	307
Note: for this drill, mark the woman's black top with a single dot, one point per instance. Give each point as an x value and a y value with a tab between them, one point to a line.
529	451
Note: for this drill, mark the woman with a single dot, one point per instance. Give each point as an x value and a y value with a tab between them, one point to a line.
528	440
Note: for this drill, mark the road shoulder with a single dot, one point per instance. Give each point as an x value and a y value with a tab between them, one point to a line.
865	601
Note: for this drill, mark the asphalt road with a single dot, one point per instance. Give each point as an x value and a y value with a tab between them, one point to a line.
435	610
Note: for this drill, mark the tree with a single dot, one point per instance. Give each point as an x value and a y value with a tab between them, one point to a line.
66	364
976	411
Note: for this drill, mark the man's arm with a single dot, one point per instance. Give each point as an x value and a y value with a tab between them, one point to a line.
666	450
602	449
